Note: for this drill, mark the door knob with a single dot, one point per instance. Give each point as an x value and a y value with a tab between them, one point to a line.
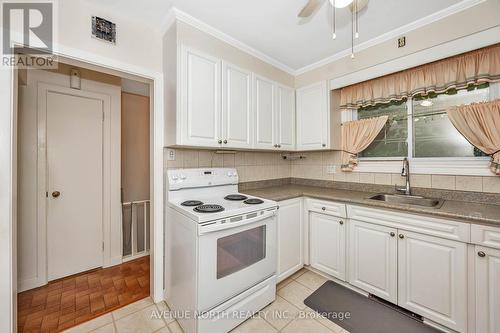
323	208
392	234
219	142
481	254
401	236
341	222
56	194
225	141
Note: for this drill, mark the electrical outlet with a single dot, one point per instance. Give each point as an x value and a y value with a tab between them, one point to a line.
170	155
401	41
331	169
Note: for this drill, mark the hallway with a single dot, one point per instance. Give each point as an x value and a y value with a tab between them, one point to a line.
69	301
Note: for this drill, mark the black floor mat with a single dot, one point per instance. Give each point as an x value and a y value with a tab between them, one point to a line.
366	315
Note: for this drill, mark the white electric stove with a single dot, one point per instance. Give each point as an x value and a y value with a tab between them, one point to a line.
220	250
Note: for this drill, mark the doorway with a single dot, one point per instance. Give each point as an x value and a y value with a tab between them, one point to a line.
72	265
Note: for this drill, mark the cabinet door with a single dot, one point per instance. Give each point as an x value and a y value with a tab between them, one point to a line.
433	278
327	237
200	95
237	113
285	118
313	117
290	256
373	259
487	268
265	106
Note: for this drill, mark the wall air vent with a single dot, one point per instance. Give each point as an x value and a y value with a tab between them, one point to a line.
103	29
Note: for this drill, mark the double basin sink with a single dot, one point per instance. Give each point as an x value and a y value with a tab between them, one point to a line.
413	200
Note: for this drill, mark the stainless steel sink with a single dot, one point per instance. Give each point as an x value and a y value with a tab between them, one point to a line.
412	200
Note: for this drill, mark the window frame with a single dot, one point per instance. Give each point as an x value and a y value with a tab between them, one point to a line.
467	166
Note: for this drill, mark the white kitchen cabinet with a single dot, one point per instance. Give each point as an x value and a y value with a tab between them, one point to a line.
200	99
265	113
487	271
237	114
327	244
313	121
285	118
373	259
433	278
290	238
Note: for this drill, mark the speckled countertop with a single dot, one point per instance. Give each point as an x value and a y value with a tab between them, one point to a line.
468	211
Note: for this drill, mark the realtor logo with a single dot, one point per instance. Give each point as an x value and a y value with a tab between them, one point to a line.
27	34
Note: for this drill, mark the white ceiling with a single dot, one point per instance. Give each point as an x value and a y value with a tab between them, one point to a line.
273	28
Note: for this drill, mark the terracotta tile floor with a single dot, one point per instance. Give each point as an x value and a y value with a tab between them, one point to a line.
72	300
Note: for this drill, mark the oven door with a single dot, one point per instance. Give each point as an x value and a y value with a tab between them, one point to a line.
234	256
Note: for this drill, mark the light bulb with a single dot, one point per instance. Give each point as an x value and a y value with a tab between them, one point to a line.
352	55
356	35
334	35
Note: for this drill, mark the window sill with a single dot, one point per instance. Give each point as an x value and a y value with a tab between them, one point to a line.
478	166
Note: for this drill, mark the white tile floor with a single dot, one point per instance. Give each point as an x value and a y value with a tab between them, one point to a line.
137	317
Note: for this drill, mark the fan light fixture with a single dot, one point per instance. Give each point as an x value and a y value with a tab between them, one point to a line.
341	3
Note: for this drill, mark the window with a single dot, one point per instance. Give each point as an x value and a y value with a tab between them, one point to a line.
422	124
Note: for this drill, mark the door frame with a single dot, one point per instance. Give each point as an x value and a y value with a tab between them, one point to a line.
8	174
42	169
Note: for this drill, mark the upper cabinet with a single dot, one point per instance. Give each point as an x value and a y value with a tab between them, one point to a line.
313	117
215	104
265	110
237	115
285	118
200	99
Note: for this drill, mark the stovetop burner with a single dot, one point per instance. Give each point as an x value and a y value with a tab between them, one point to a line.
191	203
253	201
235	197
208	208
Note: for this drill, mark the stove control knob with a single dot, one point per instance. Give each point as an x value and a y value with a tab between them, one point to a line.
183	177
174	177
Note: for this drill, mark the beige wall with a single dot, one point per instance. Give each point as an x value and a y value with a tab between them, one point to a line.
251	166
199	40
467	22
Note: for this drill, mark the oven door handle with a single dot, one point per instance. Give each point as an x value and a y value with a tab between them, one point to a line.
222	226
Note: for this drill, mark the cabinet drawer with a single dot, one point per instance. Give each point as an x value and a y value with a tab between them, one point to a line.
485	235
423	224
326	207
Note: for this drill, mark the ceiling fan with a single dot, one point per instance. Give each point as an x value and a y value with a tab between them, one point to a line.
354	5
312	5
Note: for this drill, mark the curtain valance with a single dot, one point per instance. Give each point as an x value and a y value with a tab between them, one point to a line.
457	72
479	123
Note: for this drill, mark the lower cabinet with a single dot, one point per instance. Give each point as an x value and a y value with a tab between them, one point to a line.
290	238
373	259
433	278
487	269
327	244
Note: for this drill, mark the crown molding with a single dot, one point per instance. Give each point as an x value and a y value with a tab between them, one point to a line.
178	15
456	8
175	14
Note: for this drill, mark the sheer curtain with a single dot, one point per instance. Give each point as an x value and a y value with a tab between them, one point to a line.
479	123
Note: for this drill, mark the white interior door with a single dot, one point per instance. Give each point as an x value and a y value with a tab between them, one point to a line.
74	183
373	259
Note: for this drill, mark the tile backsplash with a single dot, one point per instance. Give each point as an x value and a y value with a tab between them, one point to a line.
257	166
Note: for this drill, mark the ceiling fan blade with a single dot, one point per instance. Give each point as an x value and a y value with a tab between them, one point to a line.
309	8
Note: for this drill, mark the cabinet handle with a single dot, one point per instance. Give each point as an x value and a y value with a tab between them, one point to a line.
323	145
392	234
275	146
341	222
323	208
481	254
279	146
401	236
225	141
219	142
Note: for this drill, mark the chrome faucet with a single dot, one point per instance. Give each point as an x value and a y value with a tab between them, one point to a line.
405	173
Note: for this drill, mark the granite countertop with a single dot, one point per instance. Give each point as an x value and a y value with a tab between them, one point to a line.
469	211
